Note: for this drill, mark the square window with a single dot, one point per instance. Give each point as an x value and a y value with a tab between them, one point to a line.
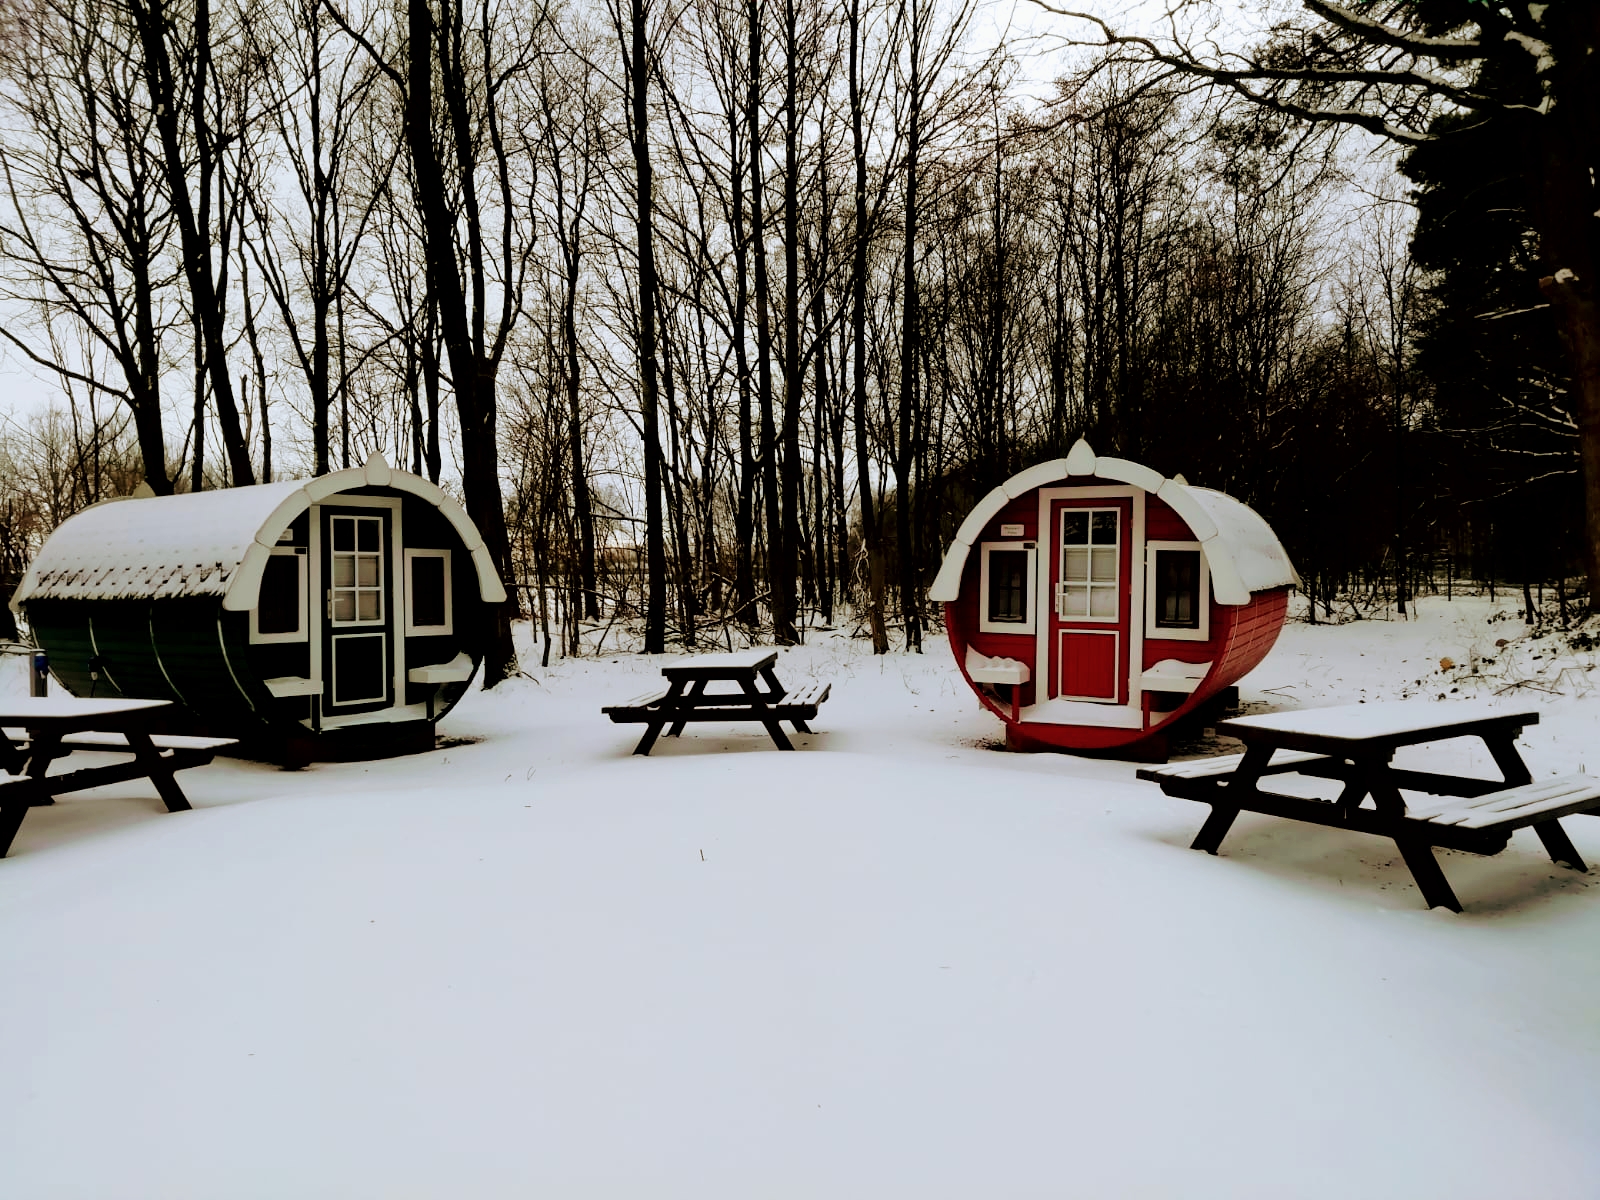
1177	592
280	604
428	593
1007	580
1075	528
1105	527
1008	586
280	611
1178	589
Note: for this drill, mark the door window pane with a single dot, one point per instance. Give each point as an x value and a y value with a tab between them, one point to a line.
357	569
1090	566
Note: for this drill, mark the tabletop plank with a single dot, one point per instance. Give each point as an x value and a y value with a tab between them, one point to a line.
37	711
737	662
1406	720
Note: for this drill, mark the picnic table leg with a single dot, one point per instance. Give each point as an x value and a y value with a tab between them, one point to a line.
15	800
1503	747
159	769
653	729
696	688
1222	815
1216	827
778	690
759	703
12	760
1425	870
1558	845
44	750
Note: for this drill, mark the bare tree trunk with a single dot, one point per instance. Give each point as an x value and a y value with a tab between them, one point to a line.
871	532
157	67
638	81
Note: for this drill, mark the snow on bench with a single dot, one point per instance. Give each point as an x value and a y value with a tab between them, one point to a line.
638	705
1226	764
809	696
1514	808
161	741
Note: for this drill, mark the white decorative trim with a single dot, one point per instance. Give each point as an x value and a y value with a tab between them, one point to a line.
246	581
987	509
1159	633
1248	535
985	625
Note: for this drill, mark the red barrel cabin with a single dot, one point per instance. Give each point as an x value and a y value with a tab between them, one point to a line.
1091	602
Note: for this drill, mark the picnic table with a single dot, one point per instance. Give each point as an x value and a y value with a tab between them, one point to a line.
41	730
1355	745
686	698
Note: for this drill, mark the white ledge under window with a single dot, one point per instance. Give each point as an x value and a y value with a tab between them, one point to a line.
456	670
292	685
983	669
1170	675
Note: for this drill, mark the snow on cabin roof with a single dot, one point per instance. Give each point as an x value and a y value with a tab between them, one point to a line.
1243	553
163	546
208	543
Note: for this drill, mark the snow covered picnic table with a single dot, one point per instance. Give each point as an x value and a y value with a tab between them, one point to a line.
685	699
40	730
1355	744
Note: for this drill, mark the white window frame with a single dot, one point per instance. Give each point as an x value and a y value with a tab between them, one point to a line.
1154	632
303	632
412	628
985	625
1117	588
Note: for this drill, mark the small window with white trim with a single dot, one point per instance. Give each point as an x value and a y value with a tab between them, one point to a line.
1178	592
428	593
1006	587
280	611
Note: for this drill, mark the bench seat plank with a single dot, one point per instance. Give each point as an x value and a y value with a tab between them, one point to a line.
1226	764
161	741
1512	808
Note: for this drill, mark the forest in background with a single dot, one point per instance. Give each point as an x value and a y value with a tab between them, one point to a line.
719	315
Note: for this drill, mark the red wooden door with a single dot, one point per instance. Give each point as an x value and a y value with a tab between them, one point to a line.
1091	563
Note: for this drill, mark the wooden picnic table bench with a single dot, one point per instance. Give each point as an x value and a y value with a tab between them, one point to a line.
41	730
686	699
1354	745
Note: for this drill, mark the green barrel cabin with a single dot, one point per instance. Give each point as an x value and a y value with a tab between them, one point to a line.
336	617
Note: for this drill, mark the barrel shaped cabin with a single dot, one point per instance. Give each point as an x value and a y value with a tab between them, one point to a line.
1092	602
302	617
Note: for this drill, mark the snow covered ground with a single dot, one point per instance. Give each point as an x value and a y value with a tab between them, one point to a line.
898	963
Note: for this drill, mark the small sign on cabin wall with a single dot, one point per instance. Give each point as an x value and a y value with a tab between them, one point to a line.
1011	531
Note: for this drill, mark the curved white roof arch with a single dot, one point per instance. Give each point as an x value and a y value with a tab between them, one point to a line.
211	543
1243	553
